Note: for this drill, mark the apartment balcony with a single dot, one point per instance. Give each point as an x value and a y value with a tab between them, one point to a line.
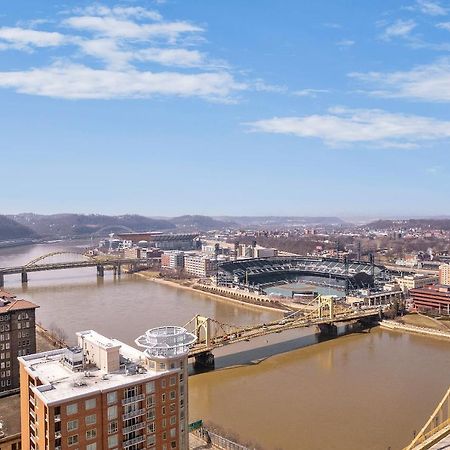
33	401
58	435
136	398
57	417
130	415
134	441
58	448
130	429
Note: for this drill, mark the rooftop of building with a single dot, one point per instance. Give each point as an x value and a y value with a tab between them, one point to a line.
5	295
11	304
64	375
433	289
9	416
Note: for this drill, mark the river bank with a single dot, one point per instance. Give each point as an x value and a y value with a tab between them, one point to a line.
199	289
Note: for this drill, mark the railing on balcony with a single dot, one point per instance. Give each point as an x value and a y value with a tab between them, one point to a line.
136	398
134	441
131	428
130	415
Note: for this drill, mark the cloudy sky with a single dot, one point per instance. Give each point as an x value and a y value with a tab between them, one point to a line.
236	107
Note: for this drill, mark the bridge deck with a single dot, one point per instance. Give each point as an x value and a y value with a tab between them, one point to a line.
245	334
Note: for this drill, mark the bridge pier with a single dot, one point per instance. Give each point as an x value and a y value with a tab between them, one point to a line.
204	361
24	276
328	329
2	279
100	270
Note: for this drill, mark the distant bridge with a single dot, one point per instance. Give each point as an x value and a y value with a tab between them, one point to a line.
212	334
259	272
84	260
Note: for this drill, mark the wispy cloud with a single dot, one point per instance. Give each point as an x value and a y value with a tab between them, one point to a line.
372	127
431	8
345	43
399	29
71	81
427	82
25	39
310	92
120	37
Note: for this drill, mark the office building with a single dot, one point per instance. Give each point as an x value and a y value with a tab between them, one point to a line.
17	338
104	394
444	274
414	281
172	260
199	266
433	299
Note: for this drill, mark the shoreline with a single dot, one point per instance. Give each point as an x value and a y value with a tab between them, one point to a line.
208	294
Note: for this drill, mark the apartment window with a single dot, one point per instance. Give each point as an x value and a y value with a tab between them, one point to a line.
164	436
91	419
151	427
151	440
173	432
72	440
112	441
112	412
173	420
71	409
90	403
91	434
112	427
163	383
173	444
172	407
164	423
91	446
111	397
72	425
163	397
172	395
163	410
131	392
173	381
151	414
150	387
150	401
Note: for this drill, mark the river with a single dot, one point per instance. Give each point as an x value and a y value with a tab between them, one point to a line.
362	391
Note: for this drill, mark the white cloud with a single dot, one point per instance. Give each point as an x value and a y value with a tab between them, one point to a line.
428	82
399	29
310	92
119	11
121	28
131	43
345	43
81	82
431	8
444	25
341	126
21	38
172	57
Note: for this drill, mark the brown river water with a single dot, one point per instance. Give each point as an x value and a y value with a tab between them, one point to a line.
363	391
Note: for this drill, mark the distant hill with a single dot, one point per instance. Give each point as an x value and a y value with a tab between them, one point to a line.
201	223
283	221
424	224
79	225
10	230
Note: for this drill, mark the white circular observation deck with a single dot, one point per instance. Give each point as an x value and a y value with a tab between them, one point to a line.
166	342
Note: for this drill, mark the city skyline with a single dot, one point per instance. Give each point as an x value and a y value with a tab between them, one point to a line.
167	108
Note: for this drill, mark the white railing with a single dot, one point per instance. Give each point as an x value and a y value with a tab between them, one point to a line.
136	398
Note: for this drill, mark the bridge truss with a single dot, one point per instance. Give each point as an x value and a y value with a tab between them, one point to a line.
436	428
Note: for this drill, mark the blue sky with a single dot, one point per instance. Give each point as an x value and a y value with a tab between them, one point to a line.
237	107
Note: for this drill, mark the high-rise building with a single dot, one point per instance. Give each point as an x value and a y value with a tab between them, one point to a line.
104	394
444	274
17	337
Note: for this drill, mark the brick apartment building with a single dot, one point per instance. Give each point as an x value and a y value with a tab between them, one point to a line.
104	394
